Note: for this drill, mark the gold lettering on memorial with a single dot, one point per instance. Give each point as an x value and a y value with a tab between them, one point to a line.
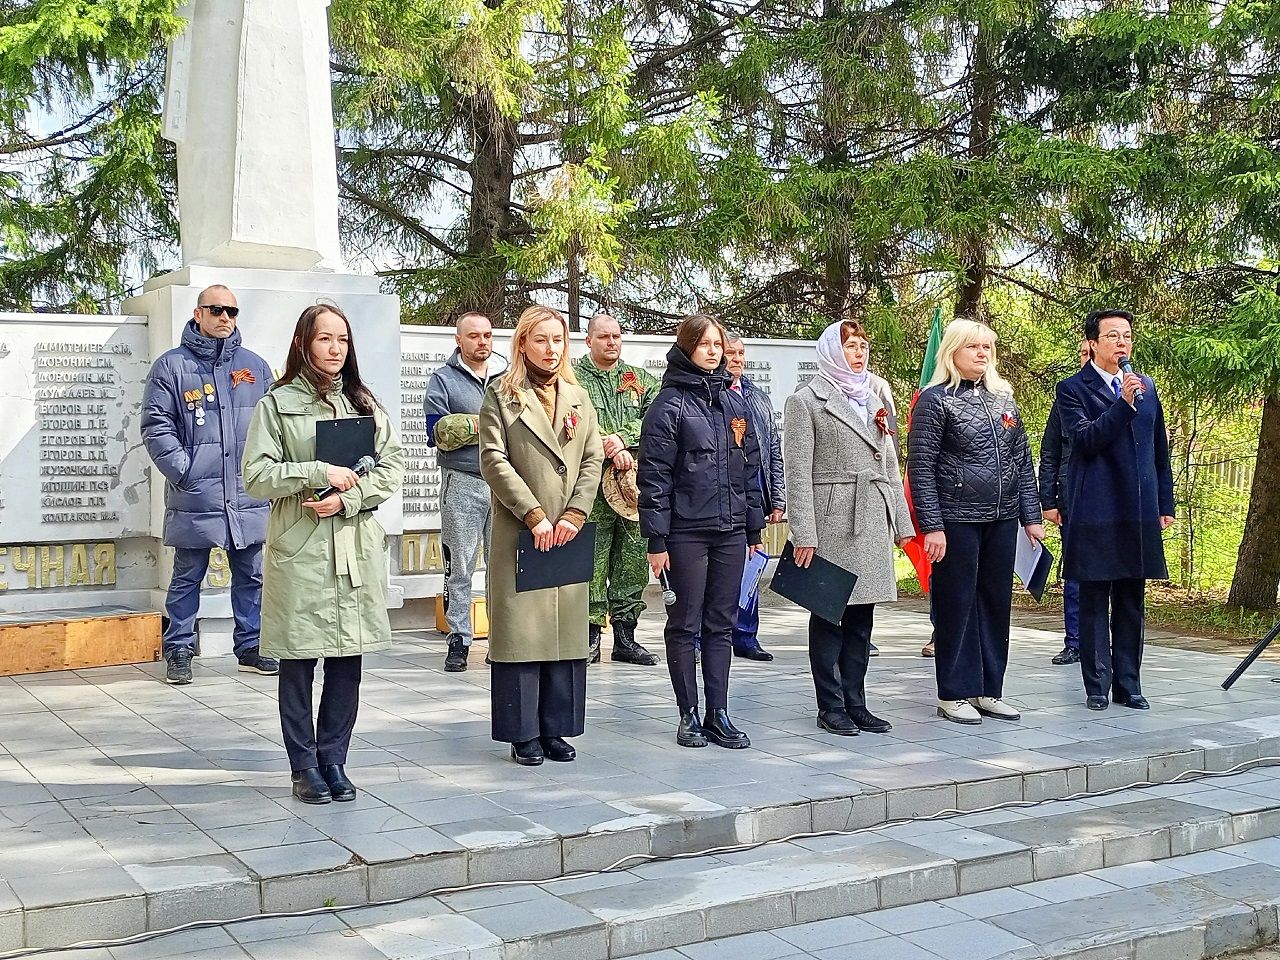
219	569
58	565
52	566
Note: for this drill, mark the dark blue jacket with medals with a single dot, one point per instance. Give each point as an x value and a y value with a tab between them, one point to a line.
1119	481
698	470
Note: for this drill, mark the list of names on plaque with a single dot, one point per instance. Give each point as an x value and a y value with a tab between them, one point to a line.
75	383
421	490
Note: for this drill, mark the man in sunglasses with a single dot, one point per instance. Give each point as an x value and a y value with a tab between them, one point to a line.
195	415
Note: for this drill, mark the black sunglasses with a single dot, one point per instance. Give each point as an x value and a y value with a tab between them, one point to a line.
218	310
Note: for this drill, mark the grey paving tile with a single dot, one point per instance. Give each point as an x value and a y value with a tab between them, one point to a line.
970	940
918	916
750	946
888	948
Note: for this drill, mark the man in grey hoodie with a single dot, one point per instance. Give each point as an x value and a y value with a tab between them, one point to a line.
452	403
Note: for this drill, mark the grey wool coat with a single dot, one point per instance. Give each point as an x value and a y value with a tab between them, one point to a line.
530	462
844	493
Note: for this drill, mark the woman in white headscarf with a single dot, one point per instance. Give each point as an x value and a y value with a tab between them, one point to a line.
847	506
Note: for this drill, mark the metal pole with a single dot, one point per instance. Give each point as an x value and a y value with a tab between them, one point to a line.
1254	654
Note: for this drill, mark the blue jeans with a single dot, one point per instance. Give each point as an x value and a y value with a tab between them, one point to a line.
1071	612
183	600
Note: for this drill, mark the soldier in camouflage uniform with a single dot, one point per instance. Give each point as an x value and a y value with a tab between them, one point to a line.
621	394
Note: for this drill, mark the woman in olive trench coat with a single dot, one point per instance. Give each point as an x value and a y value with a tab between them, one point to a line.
543	473
324	589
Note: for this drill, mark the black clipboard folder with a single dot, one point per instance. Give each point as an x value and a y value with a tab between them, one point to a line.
557	567
342	442
822	588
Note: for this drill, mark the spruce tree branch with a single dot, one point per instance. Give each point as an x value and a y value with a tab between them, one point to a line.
397	216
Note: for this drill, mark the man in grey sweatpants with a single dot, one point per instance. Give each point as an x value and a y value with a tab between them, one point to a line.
453	399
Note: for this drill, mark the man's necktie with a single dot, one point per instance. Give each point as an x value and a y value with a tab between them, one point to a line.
1115	386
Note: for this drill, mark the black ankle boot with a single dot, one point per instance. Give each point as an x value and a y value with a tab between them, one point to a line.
625	648
721	731
690	732
838	722
555	748
868	721
340	787
528	753
309	786
593	643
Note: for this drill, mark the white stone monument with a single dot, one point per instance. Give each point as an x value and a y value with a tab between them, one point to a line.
247	103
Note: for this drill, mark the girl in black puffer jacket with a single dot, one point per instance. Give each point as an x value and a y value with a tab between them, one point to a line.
972	485
702	509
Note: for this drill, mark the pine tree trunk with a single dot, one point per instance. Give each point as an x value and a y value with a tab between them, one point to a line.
973	246
492	177
1257	575
834	141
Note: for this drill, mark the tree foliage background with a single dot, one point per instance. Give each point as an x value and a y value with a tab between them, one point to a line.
779	162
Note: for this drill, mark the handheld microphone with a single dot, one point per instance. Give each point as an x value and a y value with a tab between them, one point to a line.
1127	367
668	595
362	468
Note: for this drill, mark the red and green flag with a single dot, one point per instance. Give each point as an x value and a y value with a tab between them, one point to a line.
915	549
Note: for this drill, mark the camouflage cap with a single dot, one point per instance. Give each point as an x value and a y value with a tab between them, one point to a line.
455	431
620	492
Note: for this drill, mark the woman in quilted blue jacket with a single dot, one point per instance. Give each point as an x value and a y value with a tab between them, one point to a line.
972	485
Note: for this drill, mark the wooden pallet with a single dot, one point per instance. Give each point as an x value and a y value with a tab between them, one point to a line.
74	642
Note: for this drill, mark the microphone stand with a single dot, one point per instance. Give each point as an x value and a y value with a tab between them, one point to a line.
1254	654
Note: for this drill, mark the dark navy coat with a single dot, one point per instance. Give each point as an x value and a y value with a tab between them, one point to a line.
693	474
198	444
1119	481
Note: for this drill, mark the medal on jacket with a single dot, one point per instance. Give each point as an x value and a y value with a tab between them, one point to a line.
571	420
630	383
244	375
1009	420
882	421
739	426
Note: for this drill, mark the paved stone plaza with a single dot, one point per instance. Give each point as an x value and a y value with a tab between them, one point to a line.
127	805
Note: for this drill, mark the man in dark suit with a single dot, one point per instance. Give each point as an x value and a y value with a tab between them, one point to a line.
1119	499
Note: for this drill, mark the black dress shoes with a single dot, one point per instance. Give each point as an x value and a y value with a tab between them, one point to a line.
867	721
1136	702
528	753
690	732
753	653
340	788
837	722
555	748
309	786
1096	703
719	729
1068	655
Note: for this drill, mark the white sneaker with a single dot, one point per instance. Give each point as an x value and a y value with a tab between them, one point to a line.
992	707
958	711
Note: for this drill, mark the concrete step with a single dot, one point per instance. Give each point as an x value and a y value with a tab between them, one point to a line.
110	885
1002	861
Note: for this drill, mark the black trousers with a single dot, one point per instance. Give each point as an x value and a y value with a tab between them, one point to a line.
971	594
1111	630
546	698
706	575
838	656
326	740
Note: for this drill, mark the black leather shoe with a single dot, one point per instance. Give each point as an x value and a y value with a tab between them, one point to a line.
1068	655
1096	703
753	653
625	648
527	754
555	748
1136	702
310	787
593	643
690	732
867	721
340	787
719	729
837	722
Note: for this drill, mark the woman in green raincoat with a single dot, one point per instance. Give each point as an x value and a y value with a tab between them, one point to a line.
324	576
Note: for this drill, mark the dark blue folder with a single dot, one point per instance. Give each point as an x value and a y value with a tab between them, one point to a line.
822	588
557	567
